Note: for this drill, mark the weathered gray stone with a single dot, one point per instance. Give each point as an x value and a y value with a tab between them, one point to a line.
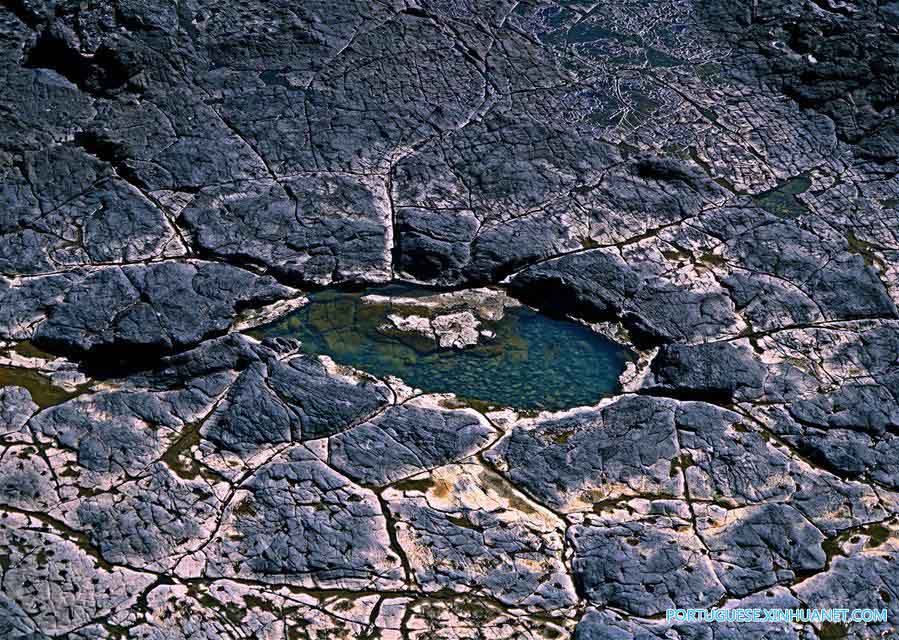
643	565
405	440
628	448
468	531
152	309
299	522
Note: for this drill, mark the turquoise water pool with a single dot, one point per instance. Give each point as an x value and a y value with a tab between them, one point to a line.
532	362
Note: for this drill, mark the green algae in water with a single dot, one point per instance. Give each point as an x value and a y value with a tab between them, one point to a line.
782	200
43	392
533	362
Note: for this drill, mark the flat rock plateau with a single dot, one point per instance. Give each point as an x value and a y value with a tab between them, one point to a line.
713	184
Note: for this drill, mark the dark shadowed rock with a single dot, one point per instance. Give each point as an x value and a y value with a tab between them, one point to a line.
152	309
598	285
717	372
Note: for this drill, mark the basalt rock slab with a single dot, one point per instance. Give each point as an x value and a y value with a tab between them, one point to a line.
71	209
152	309
45	560
606	625
466	530
16	407
317	229
643	565
862	571
627	448
150	523
720	372
757	547
300	399
299	522
598	285
405	440
807	62
841	284
27	301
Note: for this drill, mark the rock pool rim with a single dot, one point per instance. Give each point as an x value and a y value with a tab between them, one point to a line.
532	360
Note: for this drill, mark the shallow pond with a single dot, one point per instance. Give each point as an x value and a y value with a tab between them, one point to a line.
43	392
531	361
782	201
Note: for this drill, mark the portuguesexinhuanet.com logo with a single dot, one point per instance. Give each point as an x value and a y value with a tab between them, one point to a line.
844	616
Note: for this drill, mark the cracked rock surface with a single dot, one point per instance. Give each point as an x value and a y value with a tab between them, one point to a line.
712	183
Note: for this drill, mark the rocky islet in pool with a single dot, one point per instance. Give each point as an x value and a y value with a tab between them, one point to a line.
519	357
